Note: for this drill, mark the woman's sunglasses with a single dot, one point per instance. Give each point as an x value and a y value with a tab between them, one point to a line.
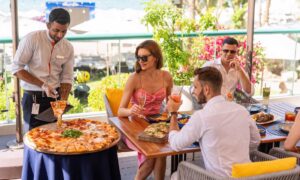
143	58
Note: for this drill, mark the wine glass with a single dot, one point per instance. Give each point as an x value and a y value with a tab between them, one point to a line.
58	108
141	102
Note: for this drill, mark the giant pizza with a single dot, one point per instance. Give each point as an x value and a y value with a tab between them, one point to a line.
72	137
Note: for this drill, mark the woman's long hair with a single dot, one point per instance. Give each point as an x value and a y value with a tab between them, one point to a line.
155	51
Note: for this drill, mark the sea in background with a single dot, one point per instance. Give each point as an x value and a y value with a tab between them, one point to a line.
26	5
111	16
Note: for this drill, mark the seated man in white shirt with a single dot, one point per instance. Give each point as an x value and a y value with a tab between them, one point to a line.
231	70
224	129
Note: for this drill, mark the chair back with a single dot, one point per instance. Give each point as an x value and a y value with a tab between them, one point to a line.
112	99
281	153
189	171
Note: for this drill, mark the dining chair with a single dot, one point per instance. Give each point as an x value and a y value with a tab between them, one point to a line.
108	109
281	153
111	111
189	171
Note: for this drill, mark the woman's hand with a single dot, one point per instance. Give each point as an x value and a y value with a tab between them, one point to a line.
136	110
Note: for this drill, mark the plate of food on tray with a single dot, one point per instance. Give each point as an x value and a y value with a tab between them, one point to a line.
262	118
156	132
155	118
286	126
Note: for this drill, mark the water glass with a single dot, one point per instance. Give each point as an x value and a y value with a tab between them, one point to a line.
266	96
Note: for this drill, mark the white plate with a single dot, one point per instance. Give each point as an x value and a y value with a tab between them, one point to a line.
276	118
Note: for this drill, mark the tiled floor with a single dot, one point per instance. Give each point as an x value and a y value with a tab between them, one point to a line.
128	165
127	160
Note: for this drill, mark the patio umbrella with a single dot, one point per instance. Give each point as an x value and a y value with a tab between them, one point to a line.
25	26
112	22
279	46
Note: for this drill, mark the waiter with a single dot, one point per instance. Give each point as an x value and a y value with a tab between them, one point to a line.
44	63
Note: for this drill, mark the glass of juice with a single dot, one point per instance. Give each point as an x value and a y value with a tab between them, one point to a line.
176	94
290	116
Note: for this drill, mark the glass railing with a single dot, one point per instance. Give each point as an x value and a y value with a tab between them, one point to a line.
106	55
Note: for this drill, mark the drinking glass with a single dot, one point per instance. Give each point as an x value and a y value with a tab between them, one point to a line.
229	96
266	96
141	102
58	108
290	116
176	94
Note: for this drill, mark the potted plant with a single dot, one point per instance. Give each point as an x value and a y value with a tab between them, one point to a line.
81	90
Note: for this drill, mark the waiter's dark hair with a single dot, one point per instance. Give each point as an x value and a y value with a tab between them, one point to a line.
60	16
210	75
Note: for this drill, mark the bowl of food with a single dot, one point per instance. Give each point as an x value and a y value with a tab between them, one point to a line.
262	130
155	118
182	121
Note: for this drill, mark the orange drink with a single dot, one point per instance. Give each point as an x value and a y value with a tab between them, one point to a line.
176	97
290	116
229	96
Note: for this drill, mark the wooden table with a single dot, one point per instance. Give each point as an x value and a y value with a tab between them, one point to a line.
132	128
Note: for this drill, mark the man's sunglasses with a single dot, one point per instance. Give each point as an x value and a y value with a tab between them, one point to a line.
227	50
143	58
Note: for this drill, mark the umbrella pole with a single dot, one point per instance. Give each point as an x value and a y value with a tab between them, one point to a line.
18	143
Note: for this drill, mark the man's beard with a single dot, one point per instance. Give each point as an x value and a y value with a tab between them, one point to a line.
201	98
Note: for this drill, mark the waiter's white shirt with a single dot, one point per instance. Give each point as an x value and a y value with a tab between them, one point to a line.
225	132
34	54
230	79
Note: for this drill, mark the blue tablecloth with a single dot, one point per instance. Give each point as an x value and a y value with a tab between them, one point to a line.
99	166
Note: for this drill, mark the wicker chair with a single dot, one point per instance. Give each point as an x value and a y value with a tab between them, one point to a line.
281	153
189	171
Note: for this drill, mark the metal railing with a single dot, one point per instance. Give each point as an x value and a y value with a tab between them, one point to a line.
114	48
94	37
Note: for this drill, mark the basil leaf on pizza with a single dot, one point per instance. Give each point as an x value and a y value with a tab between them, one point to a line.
72	133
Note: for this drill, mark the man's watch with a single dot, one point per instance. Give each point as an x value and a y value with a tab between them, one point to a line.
174	113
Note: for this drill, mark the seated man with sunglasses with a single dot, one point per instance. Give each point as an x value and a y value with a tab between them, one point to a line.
231	70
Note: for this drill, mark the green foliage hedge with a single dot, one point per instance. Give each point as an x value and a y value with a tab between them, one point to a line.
3	97
95	98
